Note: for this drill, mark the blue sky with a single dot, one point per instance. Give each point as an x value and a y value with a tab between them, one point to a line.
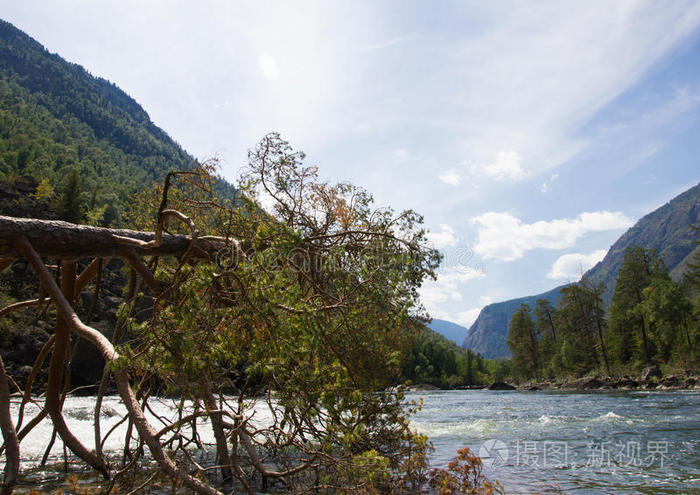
529	134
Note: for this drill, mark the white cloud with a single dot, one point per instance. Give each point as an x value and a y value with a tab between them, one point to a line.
383	44
401	155
444	238
546	185
268	66
507	166
485	300
503	236
447	286
572	266
468	317
451	177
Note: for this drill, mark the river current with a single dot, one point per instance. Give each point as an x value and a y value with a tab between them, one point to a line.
580	443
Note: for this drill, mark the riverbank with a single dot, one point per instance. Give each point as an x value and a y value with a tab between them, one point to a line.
669	382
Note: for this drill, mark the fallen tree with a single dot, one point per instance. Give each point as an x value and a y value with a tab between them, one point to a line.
310	302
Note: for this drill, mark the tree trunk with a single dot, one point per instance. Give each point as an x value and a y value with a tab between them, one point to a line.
9	435
63	240
218	427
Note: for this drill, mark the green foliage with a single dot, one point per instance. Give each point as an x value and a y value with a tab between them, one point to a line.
314	309
464	476
650	320
581	320
629	327
70	203
432	359
499	369
668	312
523	343
55	117
44	190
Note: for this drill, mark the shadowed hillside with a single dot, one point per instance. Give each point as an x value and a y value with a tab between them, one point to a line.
57	119
449	330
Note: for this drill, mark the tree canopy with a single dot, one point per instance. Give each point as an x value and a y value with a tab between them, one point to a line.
308	308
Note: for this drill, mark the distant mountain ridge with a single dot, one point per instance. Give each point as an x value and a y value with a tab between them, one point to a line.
668	230
449	330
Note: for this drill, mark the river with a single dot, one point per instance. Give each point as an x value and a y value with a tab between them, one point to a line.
583	443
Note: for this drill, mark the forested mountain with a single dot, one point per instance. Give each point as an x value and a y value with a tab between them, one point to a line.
56	118
449	330
667	230
75	147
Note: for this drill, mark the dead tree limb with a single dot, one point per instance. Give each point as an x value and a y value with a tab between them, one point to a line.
9	435
121	375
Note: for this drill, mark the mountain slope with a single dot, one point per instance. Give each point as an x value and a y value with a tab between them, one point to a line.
55	117
487	335
668	230
449	330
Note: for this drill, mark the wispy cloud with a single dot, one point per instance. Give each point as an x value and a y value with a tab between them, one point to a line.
506	166
384	44
548	184
451	177
448	285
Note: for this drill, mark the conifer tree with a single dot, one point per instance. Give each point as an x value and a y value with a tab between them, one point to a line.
629	327
70	202
522	340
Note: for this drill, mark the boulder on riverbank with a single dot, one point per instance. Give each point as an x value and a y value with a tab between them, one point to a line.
669	382
651	372
583	384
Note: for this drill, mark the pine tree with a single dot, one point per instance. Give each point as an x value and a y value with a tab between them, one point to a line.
581	321
70	202
522	340
629	328
547	330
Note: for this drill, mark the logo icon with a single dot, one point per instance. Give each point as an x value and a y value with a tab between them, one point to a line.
493	453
